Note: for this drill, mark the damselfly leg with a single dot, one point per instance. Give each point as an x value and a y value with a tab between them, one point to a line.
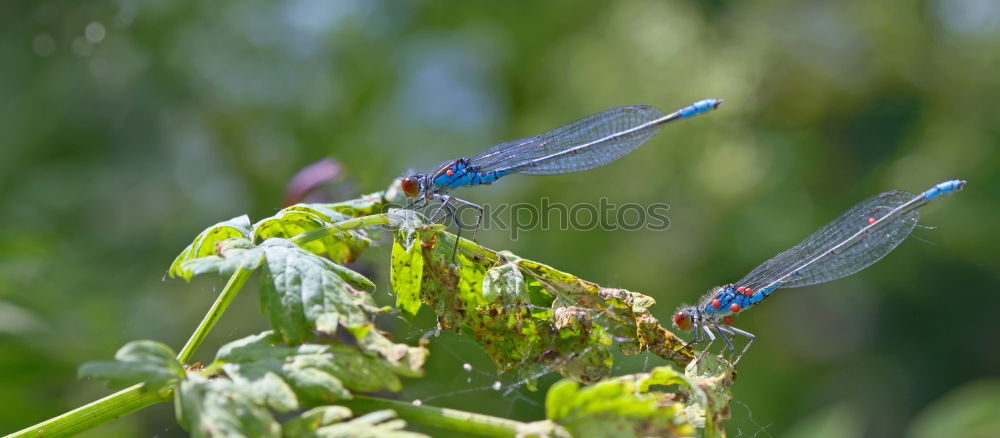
727	333
458	217
711	340
726	337
445	207
733	331
454	213
416	204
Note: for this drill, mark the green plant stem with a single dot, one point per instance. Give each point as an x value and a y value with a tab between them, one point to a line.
93	414
461	422
339	227
233	287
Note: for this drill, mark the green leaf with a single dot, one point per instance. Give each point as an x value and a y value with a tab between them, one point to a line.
327	422
288	378
405	360
205	244
302	293
222	408
628	406
233	254
341	247
138	361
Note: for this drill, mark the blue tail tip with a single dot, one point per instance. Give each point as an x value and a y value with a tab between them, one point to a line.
944	188
707	104
953	185
700	107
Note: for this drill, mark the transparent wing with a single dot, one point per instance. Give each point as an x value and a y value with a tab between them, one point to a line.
587	143
857	253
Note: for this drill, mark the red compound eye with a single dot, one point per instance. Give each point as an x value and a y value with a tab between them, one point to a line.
449	172
735	308
728	320
410	186
682	320
716	303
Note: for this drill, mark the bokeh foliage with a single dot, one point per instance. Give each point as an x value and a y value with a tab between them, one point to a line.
121	139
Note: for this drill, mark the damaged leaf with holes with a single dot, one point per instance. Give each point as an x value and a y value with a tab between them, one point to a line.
662	403
529	317
624	314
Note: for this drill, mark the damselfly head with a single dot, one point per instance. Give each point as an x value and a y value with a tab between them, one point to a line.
684	318
411	186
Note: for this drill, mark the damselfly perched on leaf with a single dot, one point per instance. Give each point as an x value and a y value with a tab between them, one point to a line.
854	241
581	145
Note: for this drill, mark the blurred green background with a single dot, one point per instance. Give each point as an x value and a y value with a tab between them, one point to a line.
126	127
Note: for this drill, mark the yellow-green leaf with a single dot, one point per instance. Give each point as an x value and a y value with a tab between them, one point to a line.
628	406
341	247
406	275
206	244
